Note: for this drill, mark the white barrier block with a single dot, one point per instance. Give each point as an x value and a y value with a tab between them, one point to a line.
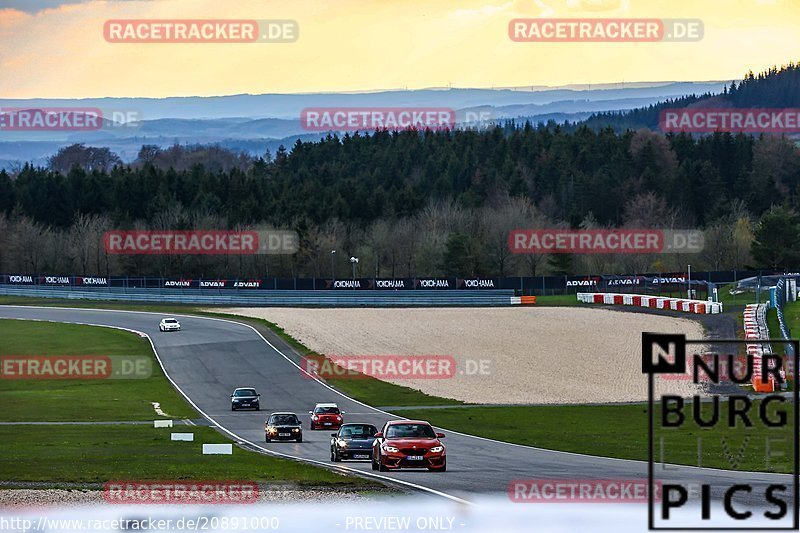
217	449
162	423
183	436
516	300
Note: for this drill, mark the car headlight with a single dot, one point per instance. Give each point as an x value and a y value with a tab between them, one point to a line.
341	443
338	418
271	429
235	400
391	449
437	449
295	430
314	417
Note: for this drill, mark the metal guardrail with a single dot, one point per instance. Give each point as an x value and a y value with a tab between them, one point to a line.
263	298
780	300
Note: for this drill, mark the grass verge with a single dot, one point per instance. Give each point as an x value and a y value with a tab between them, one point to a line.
101	453
82	400
621	431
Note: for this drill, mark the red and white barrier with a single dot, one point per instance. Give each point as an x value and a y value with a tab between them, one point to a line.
755	328
700	307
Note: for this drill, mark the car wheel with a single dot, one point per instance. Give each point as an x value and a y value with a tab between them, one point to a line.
299	439
335	457
258	407
311	426
266	438
233	408
374	464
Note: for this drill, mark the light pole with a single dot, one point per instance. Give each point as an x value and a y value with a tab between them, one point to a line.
689	282
333	265
354	261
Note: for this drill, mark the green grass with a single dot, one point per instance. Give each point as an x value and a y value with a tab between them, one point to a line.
82	400
616	431
747	297
101	453
559	300
791	313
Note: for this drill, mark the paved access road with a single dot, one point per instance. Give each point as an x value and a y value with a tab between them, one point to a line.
209	358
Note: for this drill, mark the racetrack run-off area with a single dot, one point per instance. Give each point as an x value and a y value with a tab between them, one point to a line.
530	355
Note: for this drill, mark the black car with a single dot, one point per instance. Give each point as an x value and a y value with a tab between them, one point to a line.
245	398
283	426
353	441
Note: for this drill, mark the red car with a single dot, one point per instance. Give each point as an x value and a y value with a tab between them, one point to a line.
325	416
408	444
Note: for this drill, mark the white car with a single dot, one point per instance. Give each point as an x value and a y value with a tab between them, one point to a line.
169	324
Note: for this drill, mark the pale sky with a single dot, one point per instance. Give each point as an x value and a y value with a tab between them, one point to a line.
56	49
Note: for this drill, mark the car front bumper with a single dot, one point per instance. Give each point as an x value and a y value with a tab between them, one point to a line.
400	460
247	405
283	434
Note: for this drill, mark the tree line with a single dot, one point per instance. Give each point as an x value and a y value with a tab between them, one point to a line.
411	203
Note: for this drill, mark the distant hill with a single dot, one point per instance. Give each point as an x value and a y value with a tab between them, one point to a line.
255	123
773	88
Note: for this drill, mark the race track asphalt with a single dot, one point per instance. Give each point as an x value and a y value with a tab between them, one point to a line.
209	358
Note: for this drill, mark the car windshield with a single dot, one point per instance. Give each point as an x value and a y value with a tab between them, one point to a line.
245	392
276	420
170	321
326	411
410	431
360	431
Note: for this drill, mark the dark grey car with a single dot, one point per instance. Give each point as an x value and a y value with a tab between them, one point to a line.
353	441
245	398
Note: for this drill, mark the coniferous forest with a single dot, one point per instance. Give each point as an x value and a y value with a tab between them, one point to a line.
420	203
